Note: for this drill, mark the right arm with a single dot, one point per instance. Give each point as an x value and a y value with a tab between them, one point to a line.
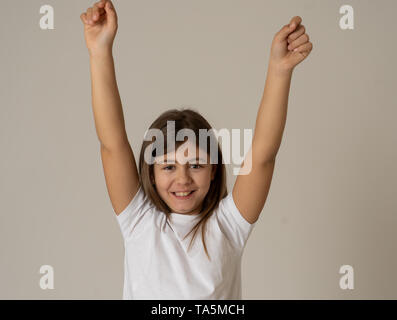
118	160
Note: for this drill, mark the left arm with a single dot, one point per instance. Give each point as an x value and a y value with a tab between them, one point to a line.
250	190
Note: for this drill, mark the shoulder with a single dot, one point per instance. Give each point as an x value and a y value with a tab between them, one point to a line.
231	222
138	214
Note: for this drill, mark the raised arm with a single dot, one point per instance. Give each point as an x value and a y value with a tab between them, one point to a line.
121	174
250	191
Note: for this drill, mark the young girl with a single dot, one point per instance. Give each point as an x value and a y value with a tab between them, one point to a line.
162	208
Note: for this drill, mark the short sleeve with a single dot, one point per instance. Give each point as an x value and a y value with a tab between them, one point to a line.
232	223
134	214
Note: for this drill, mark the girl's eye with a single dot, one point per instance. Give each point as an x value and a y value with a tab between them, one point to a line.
194	166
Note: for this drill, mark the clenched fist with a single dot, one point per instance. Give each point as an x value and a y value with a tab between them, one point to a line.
290	46
100	27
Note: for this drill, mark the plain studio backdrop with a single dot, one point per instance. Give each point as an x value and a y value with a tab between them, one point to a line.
332	200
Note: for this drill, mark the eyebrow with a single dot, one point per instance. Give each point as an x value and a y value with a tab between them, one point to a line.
192	159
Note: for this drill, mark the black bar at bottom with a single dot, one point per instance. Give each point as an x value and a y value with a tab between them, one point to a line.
198	309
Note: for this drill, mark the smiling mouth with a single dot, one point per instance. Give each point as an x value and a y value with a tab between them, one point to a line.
183	197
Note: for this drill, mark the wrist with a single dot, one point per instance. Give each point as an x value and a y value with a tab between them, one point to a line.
102	53
279	70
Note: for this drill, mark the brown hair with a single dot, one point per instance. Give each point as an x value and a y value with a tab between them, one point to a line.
184	118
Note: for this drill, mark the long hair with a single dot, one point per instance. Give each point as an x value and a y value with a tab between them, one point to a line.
185	118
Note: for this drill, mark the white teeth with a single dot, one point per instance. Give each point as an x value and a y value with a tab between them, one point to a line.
182	194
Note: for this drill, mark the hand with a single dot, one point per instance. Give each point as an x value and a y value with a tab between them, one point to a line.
100	26
290	46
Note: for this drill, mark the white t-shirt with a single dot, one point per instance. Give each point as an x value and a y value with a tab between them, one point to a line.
157	264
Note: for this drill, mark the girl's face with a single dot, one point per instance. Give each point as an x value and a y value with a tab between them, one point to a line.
171	178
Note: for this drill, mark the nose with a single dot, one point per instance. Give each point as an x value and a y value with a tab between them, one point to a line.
183	176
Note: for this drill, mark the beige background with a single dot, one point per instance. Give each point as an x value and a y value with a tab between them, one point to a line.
333	197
